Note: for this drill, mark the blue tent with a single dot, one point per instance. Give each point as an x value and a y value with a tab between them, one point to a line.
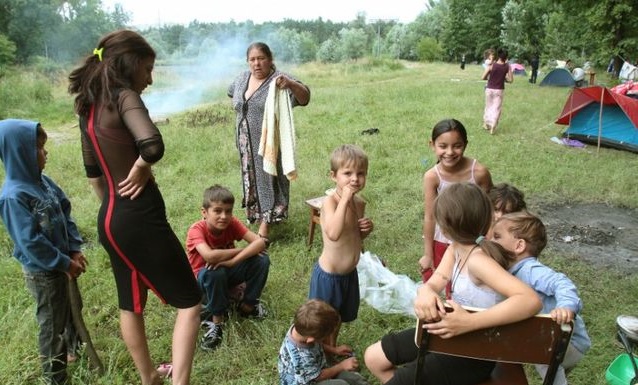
558	77
599	116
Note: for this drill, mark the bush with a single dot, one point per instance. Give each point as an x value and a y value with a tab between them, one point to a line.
24	93
7	51
429	50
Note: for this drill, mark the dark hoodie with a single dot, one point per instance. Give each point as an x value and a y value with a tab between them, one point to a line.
35	211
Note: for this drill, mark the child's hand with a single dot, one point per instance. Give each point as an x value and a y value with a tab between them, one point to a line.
81	259
347	193
226	263
428	305
457	321
350	364
562	315
343	350
425	262
365	226
75	269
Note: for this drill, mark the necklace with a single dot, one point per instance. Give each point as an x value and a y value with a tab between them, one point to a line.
457	272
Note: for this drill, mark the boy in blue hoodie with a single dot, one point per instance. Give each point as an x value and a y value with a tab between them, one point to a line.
37	216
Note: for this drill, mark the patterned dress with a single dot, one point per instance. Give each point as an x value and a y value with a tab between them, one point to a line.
265	197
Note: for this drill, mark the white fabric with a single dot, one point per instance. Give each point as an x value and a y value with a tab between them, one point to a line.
627	72
278	133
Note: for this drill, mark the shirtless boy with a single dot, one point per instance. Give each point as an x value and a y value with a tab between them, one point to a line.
343	227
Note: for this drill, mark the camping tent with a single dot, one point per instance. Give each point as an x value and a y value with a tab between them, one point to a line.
597	115
518	69
559	77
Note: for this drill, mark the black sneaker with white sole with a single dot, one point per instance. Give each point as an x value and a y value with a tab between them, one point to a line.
212	337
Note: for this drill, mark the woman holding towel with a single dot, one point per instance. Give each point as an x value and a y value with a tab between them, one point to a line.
265	196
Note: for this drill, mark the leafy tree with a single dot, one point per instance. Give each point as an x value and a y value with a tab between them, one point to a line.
458	37
154	38
7	51
285	42
429	50
487	21
329	51
432	22
524	26
353	42
84	23
564	36
172	37
395	42
307	47
615	27
28	23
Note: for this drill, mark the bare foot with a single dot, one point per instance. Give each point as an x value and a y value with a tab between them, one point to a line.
155	380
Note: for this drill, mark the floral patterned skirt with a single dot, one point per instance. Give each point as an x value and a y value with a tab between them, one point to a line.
266	196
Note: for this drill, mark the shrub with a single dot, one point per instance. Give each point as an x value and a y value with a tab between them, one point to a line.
429	50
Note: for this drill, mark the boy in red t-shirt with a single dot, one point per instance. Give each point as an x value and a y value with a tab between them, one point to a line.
219	265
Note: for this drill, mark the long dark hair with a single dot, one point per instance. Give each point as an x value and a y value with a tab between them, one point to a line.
111	67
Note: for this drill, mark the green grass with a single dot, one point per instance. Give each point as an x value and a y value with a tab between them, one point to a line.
404	103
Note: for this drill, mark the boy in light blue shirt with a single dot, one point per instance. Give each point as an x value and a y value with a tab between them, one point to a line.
302	360
524	235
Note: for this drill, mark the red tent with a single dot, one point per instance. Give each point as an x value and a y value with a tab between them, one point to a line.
597	115
582	97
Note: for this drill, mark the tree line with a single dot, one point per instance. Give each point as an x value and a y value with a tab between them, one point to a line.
580	30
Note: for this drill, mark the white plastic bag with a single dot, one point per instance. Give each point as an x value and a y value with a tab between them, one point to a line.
384	290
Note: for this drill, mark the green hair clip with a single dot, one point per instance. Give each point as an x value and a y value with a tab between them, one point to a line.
98	52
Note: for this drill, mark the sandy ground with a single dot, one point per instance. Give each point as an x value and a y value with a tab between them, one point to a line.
602	235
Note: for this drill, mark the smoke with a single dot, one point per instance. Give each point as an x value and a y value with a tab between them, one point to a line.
197	75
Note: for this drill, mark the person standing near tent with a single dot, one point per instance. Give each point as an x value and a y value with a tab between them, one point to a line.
496	75
534	63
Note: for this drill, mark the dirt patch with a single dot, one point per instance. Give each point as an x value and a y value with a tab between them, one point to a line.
602	235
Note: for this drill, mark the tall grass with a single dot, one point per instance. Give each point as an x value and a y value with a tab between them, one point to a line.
403	103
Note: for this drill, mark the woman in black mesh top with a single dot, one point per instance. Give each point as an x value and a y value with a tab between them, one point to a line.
120	143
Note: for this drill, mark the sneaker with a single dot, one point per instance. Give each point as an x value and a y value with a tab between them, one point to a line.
206	324
259	312
212	338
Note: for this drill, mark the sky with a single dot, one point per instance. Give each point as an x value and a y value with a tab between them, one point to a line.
160	12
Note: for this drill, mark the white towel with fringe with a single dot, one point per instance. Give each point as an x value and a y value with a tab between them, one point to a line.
278	133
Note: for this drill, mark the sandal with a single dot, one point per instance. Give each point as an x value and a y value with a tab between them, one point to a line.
165	370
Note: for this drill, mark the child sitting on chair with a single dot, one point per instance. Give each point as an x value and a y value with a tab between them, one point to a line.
524	235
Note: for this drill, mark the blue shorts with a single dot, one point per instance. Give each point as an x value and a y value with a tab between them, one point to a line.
340	291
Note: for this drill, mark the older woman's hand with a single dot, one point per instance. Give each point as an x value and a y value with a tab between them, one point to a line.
283	82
